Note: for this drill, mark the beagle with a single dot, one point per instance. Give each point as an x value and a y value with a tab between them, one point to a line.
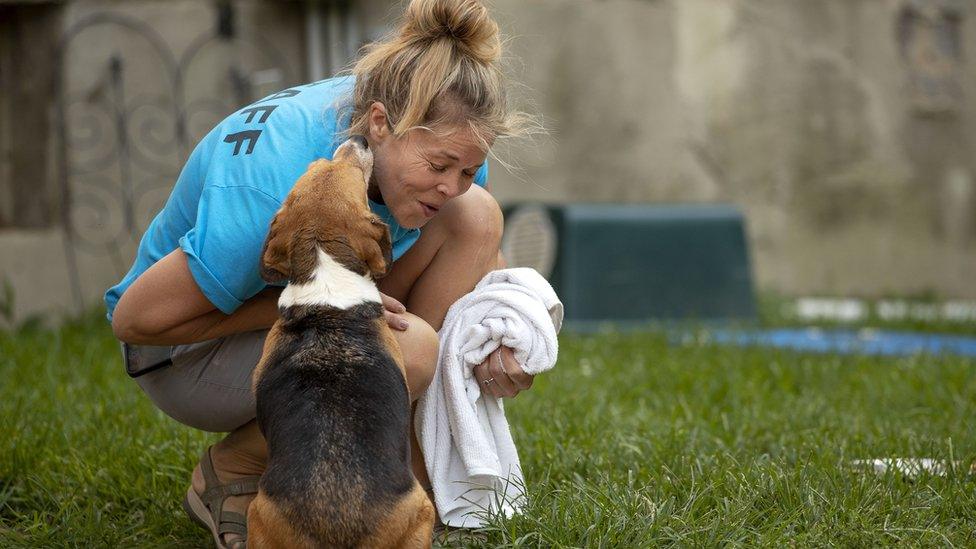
332	399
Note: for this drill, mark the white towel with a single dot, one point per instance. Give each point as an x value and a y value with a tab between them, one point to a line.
468	448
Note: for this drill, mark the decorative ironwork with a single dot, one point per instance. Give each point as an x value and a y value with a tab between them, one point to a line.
125	134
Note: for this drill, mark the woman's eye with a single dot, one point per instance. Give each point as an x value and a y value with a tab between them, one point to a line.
439	169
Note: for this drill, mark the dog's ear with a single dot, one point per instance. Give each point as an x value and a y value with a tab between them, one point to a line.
378	251
275	260
344	253
303	255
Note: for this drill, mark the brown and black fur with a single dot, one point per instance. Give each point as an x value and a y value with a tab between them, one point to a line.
332	399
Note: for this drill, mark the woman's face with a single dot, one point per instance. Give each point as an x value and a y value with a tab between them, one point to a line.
417	173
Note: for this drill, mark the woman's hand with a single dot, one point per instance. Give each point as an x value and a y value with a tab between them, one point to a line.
501	375
393	311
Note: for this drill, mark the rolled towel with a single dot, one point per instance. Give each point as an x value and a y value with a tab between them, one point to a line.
468	449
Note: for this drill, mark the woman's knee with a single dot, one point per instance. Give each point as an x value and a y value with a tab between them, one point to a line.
419	345
474	215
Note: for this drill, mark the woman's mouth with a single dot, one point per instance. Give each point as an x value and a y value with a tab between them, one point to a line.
429	210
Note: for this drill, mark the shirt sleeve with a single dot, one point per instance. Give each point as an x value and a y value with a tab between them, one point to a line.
481	176
255	157
223	249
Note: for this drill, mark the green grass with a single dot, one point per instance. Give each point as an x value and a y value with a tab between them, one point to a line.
629	442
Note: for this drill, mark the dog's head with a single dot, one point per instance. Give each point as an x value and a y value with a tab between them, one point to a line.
327	209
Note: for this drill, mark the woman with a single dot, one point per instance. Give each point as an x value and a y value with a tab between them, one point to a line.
430	101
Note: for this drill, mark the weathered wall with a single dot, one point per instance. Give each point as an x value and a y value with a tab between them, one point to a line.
52	271
133	64
799	112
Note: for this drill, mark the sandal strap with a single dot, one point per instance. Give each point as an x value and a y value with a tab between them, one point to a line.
215	493
245	485
207	468
228	522
232	523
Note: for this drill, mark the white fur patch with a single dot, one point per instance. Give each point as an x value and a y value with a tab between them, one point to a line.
332	285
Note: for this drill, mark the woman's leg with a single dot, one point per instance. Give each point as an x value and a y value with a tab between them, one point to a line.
456	249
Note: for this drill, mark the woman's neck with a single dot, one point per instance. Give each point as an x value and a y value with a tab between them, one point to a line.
373	191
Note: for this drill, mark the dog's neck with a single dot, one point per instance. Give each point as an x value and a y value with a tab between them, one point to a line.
331	285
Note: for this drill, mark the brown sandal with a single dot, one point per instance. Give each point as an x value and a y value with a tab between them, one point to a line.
207	509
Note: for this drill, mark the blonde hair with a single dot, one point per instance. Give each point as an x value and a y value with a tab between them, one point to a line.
439	68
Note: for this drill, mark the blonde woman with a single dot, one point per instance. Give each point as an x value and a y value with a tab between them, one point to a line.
193	311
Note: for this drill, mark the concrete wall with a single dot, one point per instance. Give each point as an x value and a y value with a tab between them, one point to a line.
55	272
52	272
799	112
802	113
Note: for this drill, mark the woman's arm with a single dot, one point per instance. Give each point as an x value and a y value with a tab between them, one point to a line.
165	306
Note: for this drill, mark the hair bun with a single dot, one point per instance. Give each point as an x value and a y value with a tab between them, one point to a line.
466	22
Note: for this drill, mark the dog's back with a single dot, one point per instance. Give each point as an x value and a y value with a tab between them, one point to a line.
332	399
335	408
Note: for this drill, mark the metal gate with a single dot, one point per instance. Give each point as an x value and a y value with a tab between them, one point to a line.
125	131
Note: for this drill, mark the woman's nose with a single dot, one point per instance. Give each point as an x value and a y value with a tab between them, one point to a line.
450	186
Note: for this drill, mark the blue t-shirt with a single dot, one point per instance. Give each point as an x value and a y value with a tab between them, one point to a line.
234	182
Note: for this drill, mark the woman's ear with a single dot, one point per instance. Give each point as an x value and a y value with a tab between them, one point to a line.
378	123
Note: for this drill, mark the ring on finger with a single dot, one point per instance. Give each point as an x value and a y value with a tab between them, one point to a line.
488	381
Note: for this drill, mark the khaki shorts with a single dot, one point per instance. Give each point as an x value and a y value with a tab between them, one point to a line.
208	385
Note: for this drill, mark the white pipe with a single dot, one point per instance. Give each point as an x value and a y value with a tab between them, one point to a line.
353	36
314	41
335	38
